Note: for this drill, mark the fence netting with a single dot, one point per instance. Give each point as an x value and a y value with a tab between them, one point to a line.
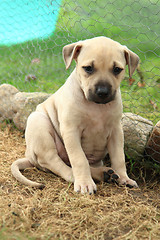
33	33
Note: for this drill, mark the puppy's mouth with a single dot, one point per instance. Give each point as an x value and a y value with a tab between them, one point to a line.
101	98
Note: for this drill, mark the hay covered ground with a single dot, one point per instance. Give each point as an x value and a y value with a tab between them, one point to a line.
56	212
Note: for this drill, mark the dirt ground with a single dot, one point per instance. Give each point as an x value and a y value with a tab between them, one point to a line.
56	212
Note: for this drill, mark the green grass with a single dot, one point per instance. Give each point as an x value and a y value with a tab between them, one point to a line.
130	22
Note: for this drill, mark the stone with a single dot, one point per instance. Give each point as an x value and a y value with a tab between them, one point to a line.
136	133
7	93
152	150
24	104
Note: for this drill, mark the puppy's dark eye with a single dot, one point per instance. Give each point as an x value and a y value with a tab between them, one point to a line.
117	70
88	69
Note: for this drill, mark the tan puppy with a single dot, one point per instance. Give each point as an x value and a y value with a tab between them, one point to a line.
72	131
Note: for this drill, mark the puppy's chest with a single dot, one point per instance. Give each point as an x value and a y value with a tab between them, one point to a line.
95	135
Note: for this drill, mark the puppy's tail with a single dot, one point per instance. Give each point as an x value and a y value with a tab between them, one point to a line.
22	164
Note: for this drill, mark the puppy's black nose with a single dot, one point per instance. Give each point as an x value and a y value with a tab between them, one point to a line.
102	91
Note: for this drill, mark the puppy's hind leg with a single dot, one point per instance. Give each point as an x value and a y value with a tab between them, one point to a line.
51	161
49	150
44	146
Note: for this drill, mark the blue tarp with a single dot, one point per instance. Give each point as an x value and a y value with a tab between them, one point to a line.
23	20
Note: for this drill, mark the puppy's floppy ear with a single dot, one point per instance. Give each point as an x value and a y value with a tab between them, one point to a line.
71	52
132	60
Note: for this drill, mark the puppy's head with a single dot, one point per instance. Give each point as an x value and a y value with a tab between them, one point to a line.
100	66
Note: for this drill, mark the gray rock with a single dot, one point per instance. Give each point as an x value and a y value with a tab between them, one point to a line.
153	145
136	133
7	93
24	104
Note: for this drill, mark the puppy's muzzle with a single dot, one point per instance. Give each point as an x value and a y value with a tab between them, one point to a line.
102	94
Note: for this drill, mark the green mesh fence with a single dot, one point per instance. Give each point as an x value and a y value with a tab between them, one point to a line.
36	64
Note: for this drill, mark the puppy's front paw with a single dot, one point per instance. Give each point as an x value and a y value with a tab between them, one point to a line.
85	185
128	182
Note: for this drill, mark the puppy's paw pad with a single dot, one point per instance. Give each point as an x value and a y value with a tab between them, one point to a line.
129	186
41	186
110	171
106	177
110	176
115	176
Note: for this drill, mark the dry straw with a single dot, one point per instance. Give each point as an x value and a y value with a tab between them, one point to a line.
56	212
